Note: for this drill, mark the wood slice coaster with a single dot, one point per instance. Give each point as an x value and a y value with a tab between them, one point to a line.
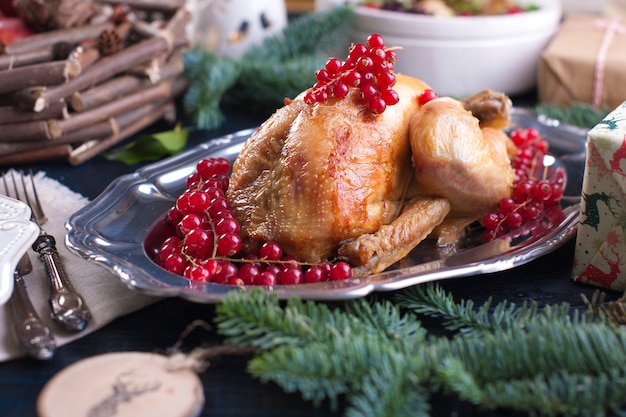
133	384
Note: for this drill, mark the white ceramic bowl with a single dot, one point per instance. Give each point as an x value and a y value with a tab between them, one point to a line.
459	56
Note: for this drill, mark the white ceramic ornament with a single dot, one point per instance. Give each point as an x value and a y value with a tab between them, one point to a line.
231	27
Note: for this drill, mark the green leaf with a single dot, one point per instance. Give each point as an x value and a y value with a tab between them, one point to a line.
150	147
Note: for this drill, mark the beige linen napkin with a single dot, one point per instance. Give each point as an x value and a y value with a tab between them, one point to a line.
107	297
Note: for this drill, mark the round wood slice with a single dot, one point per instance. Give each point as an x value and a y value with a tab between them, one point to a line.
133	384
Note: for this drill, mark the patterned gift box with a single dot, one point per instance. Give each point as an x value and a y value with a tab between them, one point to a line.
600	254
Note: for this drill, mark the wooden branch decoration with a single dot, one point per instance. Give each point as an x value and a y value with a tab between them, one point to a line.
46	39
150	5
105	68
84	56
13	114
165	89
27	58
28	131
92	148
99	72
55	14
35	155
122	85
49	73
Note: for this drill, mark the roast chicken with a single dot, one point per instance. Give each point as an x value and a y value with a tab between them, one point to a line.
332	180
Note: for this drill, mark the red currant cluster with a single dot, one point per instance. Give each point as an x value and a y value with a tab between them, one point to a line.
205	245
531	196
368	67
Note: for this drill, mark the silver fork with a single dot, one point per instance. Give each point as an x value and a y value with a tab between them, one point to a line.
69	309
32	333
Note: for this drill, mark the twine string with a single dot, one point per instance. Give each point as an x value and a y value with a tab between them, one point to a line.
611	28
199	358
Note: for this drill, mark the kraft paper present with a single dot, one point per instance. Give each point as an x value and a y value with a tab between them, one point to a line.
584	63
600	253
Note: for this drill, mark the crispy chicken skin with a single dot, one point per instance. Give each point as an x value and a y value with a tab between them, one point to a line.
312	177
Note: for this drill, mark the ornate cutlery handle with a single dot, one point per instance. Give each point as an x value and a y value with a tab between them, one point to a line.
32	334
68	306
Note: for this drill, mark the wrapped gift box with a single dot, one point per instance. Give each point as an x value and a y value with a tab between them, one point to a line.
584	63
600	254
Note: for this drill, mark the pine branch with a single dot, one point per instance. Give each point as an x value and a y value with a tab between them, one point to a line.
577	114
310	34
390	391
209	78
349	364
386	319
559	394
539	369
270	82
431	300
377	358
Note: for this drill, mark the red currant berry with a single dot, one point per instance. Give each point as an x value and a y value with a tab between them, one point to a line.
206	168
182	203
199	241
352	79
340	90
198	201
340	271
249	273
386	79
228	244
197	273
290	276
218	204
491	221
426	96
193	181
224	272
175	263
333	66
226	225
514	220
506	205
266	278
271	251
542	191
390	97
375	41
174	215
377	105
322	75
315	273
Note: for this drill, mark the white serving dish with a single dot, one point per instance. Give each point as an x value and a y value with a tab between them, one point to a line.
461	55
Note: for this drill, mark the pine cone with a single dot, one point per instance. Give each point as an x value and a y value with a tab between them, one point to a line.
110	42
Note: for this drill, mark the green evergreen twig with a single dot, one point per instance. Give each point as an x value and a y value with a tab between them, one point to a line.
577	114
553	363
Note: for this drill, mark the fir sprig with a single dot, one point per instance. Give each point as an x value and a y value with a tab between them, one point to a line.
466	317
376	356
577	114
